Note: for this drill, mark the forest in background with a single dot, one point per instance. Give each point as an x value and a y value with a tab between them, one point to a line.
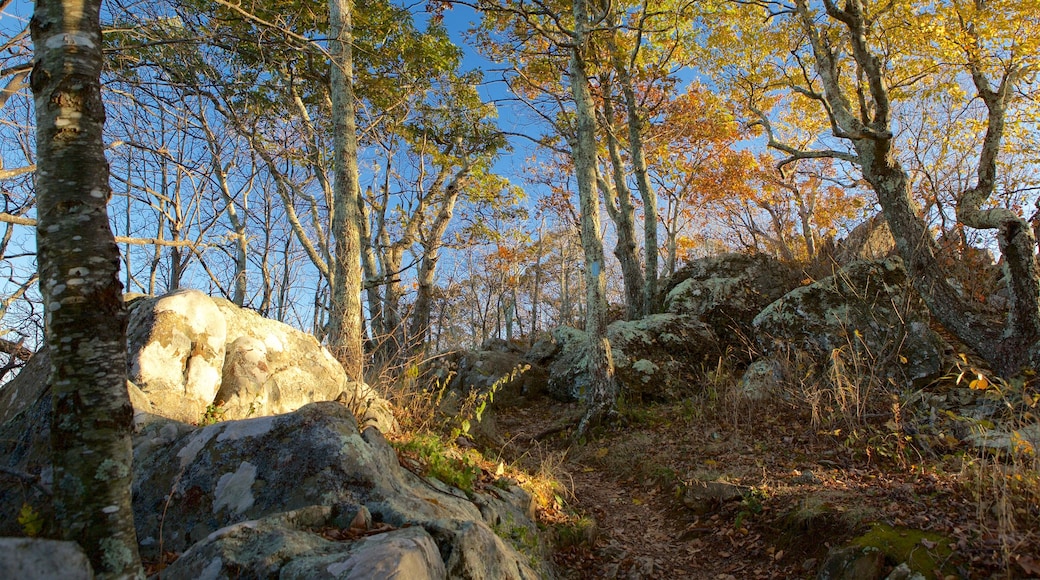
220	141
344	169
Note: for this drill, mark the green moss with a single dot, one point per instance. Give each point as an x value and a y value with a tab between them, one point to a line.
440	462
924	552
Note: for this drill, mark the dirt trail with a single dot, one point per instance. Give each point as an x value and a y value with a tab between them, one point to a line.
802	493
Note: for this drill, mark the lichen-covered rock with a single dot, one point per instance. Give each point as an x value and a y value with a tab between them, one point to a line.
512	376
255	493
870	240
866	317
291	547
192	482
188	352
38	559
728	291
853	563
569	364
176	346
762	379
660	357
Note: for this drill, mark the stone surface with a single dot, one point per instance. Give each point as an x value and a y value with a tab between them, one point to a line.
706	496
188	352
514	377
762	380
726	292
246	498
870	240
176	346
661	357
36	559
865	317
853	563
280	547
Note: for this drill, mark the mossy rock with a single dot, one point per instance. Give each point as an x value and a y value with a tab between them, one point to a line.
924	552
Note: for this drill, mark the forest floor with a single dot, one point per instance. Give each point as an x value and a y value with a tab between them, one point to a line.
623	508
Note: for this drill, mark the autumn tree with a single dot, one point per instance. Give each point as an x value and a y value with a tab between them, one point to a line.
860	66
566	31
79	267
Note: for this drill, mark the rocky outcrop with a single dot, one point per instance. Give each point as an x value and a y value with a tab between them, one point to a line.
512	375
659	357
175	347
299	495
38	559
865	317
726	292
870	240
190	354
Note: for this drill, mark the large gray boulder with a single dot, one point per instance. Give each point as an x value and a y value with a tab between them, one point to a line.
190	354
726	292
866	317
287	495
660	357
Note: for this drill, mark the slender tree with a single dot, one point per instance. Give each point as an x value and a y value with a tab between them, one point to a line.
347	331
602	395
79	267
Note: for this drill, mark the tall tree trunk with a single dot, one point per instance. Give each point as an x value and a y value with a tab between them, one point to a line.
537	284
618	201
646	191
602	396
370	267
79	269
432	242
346	334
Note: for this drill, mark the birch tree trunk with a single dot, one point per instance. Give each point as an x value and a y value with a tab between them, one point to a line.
602	395
79	269
346	334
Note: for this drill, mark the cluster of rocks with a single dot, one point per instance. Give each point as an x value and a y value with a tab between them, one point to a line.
783	331
292	487
749	314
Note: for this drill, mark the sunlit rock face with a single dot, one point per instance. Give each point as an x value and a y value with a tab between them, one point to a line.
176	346
190	355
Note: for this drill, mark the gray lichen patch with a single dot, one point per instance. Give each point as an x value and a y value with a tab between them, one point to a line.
235	490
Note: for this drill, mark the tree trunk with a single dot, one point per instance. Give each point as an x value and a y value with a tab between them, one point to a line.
346	334
1008	348
370	267
420	326
646	191
79	269
602	396
618	201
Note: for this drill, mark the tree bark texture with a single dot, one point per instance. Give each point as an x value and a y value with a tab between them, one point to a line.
602	396
1008	347
79	269
618	201
646	191
346	336
432	242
